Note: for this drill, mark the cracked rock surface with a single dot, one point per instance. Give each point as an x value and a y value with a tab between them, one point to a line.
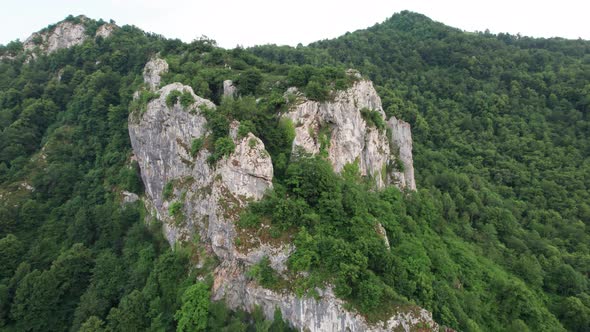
338	128
212	195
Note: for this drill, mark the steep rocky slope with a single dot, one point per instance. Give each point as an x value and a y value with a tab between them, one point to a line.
211	196
153	71
64	35
161	140
401	140
345	130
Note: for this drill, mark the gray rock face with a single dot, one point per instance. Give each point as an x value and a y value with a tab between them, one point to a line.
325	314
64	35
383	234
105	30
229	89
402	140
346	137
152	72
129	198
211	197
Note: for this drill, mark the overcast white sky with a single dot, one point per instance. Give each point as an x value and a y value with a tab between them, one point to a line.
252	22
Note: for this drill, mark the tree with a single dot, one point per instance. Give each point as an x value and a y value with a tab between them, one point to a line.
192	316
92	324
316	91
4	304
574	314
36	301
11	249
130	315
249	81
309	177
108	276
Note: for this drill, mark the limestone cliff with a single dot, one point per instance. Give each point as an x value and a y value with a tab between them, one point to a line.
347	131
401	136
105	30
192	196
327	313
152	72
161	140
63	35
229	89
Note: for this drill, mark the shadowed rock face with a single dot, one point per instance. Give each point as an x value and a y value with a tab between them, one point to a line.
211	196
347	138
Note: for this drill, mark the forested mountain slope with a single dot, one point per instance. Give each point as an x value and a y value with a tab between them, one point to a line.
495	238
501	128
501	149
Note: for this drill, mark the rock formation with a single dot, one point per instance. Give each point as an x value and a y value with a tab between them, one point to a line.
229	89
326	314
153	71
161	140
191	196
128	197
105	30
63	35
341	129
401	136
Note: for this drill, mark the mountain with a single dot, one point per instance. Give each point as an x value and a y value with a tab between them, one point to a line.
147	183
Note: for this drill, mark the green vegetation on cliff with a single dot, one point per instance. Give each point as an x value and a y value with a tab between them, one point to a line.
496	238
72	256
500	127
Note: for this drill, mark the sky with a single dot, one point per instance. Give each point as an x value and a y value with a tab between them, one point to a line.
254	22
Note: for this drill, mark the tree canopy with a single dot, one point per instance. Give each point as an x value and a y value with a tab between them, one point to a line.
496	237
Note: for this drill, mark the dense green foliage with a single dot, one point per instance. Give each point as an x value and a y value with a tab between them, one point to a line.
172	98
263	273
184	97
192	316
373	118
501	150
224	146
140	104
496	238
73	257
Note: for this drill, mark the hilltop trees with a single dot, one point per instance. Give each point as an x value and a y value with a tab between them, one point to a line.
496	237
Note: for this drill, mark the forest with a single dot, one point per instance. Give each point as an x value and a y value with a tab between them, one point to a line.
495	238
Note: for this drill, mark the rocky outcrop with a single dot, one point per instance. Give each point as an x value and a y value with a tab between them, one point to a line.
327	313
344	129
105	30
63	35
152	72
382	234
128	197
209	195
401	136
229	89
192	196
